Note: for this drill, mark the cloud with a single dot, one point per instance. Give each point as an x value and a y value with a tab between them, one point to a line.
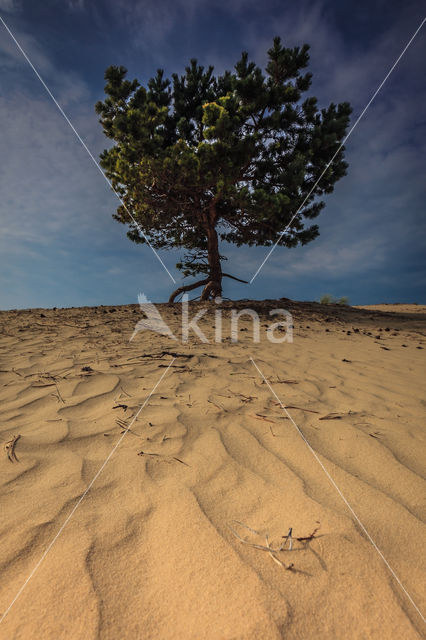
76	4
58	241
67	87
12	58
49	184
10	6
352	259
152	22
344	68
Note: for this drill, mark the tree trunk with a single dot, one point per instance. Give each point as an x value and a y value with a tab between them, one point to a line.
213	282
214	286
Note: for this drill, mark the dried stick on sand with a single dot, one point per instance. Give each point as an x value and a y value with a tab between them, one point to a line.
9	447
271	551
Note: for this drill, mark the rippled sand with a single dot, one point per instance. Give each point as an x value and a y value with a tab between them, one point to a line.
148	553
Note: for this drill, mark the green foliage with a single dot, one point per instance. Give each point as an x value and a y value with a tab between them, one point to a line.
236	153
327	298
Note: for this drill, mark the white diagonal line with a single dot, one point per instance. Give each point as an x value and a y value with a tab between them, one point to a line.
342	144
80	500
139	228
340	493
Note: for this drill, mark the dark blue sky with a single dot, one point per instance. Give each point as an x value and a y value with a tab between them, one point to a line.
59	244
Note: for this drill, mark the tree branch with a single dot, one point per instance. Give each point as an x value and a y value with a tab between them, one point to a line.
187	287
228	275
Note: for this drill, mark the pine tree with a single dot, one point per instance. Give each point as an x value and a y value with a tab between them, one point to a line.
233	157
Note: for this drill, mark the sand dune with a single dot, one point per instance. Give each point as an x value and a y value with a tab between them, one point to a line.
149	552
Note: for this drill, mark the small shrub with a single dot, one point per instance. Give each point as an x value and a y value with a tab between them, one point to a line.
344	300
327	298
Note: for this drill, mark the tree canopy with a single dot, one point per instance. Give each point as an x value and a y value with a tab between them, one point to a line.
202	158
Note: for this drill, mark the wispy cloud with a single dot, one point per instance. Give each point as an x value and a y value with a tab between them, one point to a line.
76	4
10	6
47	181
11	58
150	23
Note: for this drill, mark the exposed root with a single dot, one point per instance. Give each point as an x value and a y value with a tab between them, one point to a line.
187	287
211	290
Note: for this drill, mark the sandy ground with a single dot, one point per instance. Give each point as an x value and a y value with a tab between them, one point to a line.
149	553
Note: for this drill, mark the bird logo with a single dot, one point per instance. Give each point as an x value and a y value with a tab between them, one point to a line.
153	320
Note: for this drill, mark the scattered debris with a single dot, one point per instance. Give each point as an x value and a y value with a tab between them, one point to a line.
9	448
267	547
260	416
292	406
376	435
289	406
161	354
60	398
124	426
309	537
219	406
244	397
174	366
165	458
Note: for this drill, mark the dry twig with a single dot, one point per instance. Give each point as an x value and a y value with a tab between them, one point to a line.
259	416
309	537
9	448
271	551
292	406
219	406
165	458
